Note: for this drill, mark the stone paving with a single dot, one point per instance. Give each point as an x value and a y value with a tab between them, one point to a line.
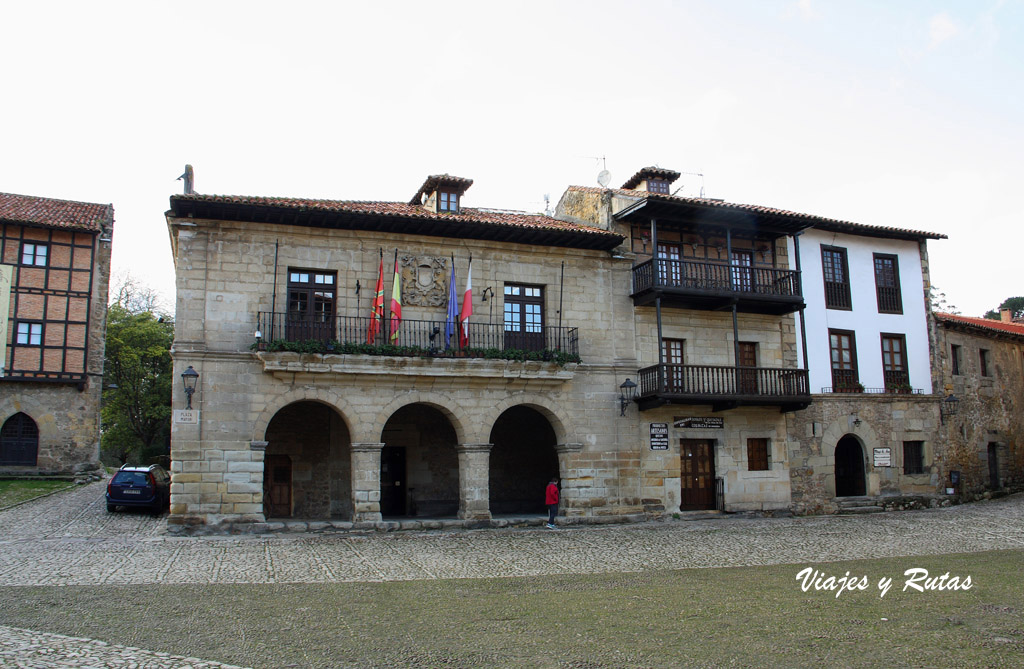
70	539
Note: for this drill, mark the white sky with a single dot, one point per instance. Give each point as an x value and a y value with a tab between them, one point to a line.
904	114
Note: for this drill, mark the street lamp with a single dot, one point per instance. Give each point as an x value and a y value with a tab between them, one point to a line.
627	391
189	377
949	407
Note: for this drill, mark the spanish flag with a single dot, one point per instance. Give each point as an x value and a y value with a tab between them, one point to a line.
396	302
377	310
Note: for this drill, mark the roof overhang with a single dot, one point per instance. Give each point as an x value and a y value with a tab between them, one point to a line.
459	227
711	214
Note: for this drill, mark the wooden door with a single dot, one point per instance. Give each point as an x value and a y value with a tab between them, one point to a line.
392	481
670	265
696	474
277	486
849	468
742	271
746	375
993	466
524	317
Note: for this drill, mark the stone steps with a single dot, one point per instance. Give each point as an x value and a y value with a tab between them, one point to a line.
857	505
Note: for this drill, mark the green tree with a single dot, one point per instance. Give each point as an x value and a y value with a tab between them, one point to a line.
1014	304
136	411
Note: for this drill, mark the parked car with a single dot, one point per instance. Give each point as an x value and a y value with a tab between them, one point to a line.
144	486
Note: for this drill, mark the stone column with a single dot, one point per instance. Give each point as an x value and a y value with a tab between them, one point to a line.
366	481
575	491
474	481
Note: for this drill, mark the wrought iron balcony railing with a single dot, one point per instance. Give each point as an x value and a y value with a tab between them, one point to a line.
722	385
716	277
414	337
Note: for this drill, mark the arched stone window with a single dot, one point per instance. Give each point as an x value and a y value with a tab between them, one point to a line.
19	441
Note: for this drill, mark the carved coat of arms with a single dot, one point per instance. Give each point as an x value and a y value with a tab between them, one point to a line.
423	281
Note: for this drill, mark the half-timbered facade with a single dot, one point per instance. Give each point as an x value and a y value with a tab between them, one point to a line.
54	275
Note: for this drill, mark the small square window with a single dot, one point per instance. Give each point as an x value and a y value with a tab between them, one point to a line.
657	186
448	202
913	457
34	254
757	454
30	334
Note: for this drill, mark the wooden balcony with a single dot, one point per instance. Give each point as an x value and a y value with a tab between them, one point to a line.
723	387
714	285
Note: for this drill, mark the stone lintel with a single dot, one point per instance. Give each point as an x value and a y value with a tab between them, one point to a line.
258	445
568	448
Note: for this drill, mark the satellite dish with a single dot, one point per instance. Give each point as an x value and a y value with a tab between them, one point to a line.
604	177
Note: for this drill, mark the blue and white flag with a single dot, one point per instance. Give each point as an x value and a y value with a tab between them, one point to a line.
451	320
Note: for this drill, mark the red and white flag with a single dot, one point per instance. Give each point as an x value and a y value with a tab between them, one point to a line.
467	307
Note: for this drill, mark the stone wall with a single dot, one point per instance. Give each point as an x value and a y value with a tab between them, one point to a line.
990	412
883	421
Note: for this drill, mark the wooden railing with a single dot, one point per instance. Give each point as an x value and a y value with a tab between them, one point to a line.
716	277
416	335
713	380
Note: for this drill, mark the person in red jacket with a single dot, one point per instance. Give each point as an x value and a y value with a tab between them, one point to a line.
551	499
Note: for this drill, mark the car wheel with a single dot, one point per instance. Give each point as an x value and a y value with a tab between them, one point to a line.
111	508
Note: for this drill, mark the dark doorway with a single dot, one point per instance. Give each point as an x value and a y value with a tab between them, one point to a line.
19	441
277	486
993	466
314	439
696	474
420	452
746	374
523	460
393	483
849	468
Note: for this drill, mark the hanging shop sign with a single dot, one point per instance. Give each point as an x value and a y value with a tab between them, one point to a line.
659	436
700	422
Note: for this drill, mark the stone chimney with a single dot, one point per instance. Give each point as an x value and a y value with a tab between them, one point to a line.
652	180
442	193
1006	315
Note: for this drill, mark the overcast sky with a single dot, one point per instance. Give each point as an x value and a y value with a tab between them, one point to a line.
904	114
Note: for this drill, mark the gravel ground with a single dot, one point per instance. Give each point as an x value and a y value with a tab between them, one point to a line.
70	540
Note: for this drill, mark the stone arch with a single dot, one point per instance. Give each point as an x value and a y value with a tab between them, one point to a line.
321	395
860	429
523	458
19	441
850	467
551	410
455	415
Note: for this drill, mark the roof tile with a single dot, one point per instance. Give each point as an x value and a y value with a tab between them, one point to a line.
983	323
50	213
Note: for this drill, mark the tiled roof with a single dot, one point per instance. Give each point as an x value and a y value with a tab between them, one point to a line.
466	221
656	172
819	222
50	213
982	323
458	184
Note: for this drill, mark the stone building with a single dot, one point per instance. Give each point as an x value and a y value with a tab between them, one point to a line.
53	304
650	350
872	430
982	369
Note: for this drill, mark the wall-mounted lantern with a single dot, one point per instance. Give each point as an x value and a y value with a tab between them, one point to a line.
949	407
627	392
189	377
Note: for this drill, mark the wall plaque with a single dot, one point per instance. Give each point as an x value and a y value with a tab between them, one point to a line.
700	422
187	416
883	457
659	436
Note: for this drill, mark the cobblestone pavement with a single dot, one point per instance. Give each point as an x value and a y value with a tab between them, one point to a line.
70	539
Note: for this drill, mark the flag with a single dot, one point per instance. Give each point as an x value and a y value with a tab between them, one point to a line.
453	310
396	302
467	307
377	309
